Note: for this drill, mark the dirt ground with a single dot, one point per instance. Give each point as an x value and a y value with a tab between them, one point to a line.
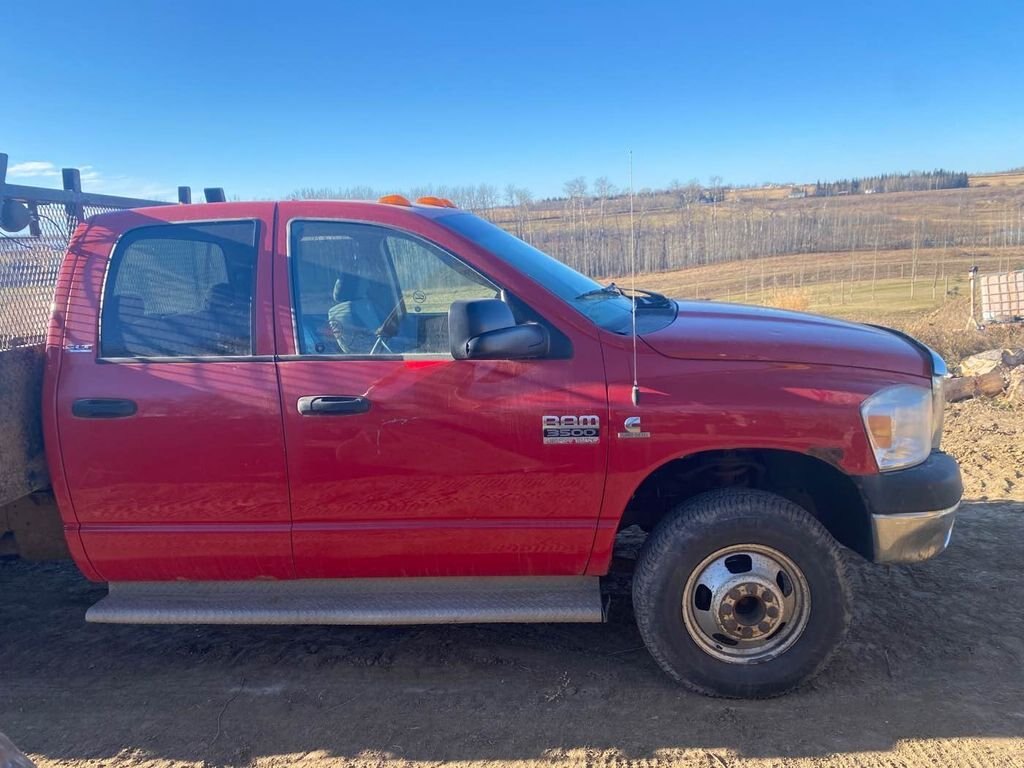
932	675
987	438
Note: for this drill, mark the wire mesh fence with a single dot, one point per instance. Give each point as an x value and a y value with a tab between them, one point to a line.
1002	297
29	262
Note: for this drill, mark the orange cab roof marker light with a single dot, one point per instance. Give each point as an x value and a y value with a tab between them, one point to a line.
394	200
441	202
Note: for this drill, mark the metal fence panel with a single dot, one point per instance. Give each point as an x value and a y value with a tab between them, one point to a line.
1002	297
36	224
28	272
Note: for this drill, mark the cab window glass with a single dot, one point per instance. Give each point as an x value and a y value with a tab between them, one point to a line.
181	290
362	290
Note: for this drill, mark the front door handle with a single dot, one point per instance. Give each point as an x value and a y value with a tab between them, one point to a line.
326	405
103	408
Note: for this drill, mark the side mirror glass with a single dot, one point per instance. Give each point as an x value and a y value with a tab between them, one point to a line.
484	329
520	342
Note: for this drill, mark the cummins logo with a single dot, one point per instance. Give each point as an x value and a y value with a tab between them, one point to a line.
571	430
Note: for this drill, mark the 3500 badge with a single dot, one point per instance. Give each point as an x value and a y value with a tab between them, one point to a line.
571	430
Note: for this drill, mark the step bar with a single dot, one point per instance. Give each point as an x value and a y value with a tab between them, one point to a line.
553	599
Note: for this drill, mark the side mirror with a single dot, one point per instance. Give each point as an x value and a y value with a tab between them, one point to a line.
484	329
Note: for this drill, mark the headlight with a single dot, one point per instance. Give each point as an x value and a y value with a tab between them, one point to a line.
899	425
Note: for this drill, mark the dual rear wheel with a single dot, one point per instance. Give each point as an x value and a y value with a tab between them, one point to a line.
741	593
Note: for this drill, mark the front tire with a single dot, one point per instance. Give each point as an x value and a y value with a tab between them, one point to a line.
741	593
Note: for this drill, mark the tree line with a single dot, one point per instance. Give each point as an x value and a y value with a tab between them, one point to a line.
472	197
914	181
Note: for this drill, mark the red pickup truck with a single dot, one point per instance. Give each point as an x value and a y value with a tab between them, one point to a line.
382	413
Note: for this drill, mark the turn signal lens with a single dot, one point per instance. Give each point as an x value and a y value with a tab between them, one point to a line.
880	427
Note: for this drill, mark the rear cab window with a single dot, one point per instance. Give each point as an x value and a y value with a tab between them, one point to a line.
181	291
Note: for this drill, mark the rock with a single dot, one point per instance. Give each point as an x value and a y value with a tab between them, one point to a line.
983	362
1015	389
989	360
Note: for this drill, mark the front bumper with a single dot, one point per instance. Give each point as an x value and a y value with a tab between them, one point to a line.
912	536
912	510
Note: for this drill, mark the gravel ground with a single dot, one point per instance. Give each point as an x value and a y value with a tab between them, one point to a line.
932	675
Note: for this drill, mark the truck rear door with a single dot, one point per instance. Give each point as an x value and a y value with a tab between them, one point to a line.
167	405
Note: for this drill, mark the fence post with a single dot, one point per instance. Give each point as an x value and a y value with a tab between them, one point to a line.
33	223
973	322
73	183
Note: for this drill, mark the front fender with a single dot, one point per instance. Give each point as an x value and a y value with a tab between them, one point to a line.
688	407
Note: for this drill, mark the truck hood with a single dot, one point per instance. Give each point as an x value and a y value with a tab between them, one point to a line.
706	330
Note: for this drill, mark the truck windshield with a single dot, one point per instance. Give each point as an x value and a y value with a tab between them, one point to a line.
605	306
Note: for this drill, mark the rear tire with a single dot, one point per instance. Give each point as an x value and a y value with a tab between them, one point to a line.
741	593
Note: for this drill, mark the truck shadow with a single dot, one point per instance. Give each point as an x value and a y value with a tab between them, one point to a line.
936	652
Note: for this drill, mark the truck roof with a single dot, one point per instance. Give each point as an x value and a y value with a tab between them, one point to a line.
429	207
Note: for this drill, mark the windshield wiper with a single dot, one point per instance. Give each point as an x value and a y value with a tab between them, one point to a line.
608	290
644	299
653	298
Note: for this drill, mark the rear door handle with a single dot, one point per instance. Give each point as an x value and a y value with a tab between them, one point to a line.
326	405
103	408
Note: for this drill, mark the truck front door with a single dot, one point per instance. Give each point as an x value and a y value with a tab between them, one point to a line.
403	461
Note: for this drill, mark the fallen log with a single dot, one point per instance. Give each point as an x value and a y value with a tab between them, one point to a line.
988	384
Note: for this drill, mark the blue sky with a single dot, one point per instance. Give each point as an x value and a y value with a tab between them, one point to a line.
263	98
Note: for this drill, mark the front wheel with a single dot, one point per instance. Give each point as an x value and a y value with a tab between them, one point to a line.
741	593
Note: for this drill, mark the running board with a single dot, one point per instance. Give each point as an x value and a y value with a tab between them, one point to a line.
353	601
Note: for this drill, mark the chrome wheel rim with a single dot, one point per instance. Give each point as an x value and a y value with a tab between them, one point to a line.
746	604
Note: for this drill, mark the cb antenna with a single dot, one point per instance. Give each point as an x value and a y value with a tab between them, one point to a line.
632	271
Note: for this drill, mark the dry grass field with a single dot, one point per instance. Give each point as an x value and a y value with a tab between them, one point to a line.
844	284
938	311
1013	178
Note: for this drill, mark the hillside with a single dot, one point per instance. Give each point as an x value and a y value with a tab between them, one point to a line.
593	234
692	225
